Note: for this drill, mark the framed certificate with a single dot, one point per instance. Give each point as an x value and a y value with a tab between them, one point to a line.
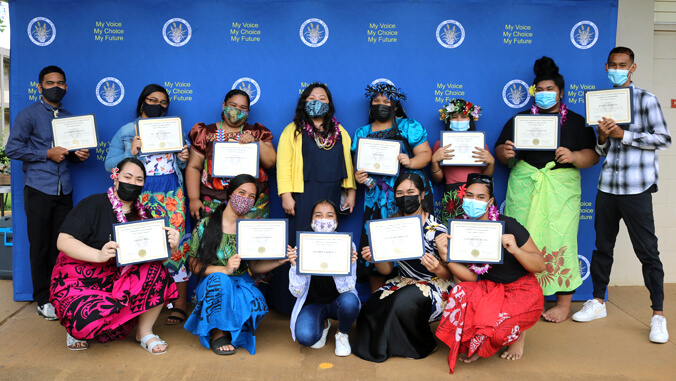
141	241
232	158
75	132
463	144
160	135
536	132
475	241
324	253
396	239
612	103
262	239
378	156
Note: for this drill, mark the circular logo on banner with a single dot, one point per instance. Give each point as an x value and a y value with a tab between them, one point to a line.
515	93
382	80
584	267
41	31
450	34
314	32
110	91
250	87
584	34
177	32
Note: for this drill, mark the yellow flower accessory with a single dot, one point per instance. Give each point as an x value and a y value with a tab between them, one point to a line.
531	91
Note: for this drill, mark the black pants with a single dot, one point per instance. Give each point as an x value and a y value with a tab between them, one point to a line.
637	213
44	215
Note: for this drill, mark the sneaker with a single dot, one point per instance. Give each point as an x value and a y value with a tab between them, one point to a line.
47	311
658	329
591	310
322	341
342	345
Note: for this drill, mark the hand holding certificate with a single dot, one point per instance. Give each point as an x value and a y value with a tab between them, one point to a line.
463	144
261	239
378	156
474	241
75	132
232	158
536	132
396	239
160	135
324	253
613	104
141	241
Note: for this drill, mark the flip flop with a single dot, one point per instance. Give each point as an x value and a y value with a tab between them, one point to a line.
175	320
221	341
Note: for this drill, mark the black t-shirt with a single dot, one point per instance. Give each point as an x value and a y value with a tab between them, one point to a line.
575	136
322	290
510	269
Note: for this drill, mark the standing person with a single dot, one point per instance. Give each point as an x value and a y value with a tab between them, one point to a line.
544	191
628	178
459	115
163	192
387	120
47	189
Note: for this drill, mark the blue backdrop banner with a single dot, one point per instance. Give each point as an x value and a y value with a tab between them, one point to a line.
479	50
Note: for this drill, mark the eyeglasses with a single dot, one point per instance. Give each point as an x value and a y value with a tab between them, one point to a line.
154	101
479	178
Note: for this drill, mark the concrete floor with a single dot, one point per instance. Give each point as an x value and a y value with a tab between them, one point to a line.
613	348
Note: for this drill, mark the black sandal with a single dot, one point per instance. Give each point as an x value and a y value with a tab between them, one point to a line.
174	320
221	341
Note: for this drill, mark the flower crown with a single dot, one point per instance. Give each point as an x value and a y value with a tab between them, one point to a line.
391	92
459	106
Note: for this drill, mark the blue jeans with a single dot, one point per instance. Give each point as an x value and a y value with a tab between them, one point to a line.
310	322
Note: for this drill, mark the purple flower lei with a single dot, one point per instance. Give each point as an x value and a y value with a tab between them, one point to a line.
493	215
117	207
563	111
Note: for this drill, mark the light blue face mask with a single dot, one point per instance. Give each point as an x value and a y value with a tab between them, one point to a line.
316	109
618	77
474	208
459	125
545	99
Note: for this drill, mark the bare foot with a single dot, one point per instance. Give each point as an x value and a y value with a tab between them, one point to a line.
557	314
464	358
515	350
156	349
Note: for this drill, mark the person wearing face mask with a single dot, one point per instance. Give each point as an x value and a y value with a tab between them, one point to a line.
47	192
387	120
229	306
319	298
628	178
163	193
93	297
395	320
482	317
459	115
544	191
207	192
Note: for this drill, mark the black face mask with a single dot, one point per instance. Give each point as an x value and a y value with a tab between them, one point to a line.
128	192
408	204
154	111
53	94
381	113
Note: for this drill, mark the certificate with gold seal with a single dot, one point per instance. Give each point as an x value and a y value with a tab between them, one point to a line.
232	158
378	156
262	239
536	132
474	241
613	104
141	241
396	239
75	132
160	135
463	145
324	253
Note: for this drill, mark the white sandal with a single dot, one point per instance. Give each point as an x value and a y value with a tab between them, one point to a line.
71	342
151	346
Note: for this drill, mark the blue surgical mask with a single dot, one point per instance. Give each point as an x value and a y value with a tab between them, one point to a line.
545	99
474	208
459	125
618	77
316	109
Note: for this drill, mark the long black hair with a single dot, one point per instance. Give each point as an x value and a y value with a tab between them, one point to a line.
546	70
213	232
234	92
417	182
302	118
144	94
480	178
132	160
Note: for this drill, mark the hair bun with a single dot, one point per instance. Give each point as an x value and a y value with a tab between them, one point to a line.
545	66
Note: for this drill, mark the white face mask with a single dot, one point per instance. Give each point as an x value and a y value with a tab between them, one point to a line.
324	225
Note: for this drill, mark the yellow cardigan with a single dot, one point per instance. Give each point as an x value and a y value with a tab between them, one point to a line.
290	161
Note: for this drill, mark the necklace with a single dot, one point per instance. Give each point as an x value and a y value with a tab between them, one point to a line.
493	216
221	134
324	143
117	207
563	111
